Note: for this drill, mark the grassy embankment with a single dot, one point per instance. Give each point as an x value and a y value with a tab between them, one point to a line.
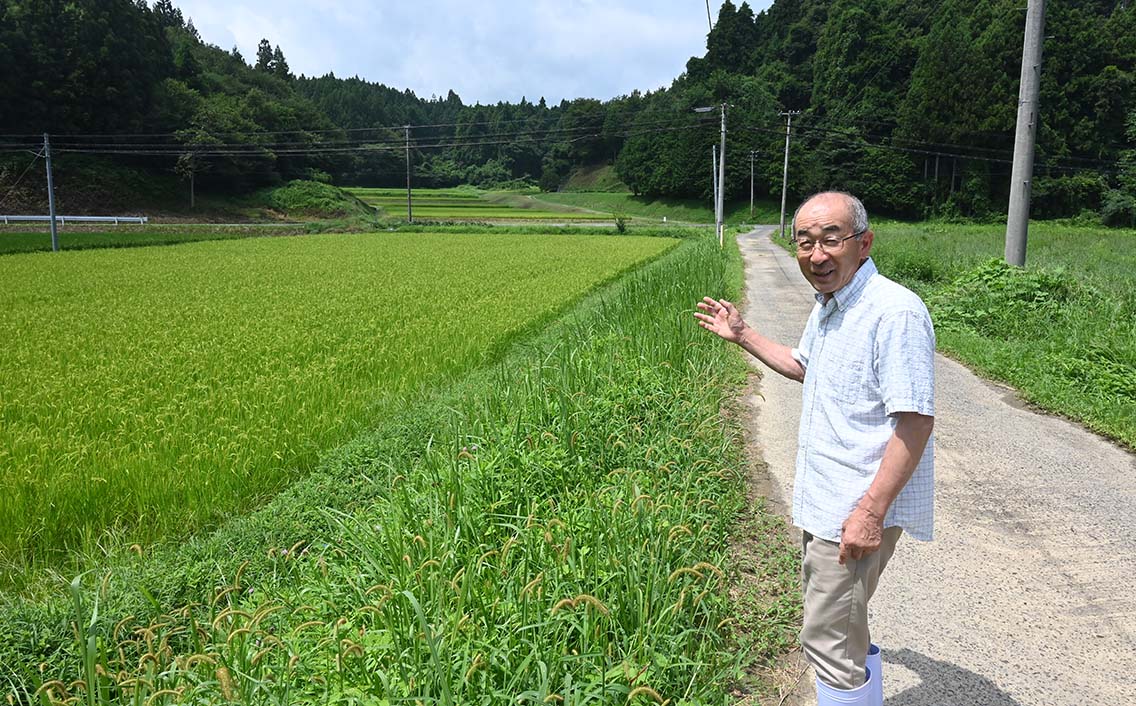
468	204
306	206
675	210
595	177
129	236
1062	331
554	527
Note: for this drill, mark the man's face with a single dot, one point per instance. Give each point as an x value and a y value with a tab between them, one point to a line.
827	217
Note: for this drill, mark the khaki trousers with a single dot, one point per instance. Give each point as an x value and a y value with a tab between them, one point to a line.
835	635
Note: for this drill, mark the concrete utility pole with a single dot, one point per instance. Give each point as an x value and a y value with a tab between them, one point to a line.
714	179
752	154
50	195
785	174
409	212
722	183
720	167
1017	218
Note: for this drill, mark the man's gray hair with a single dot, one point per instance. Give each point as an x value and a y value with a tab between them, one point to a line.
855	208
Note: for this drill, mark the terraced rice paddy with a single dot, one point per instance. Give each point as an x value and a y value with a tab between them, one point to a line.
470	206
162	388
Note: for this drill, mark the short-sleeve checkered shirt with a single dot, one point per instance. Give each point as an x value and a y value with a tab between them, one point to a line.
868	353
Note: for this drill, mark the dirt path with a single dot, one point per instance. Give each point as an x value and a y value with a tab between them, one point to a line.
1028	593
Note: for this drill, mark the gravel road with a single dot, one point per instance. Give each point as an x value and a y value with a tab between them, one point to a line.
1028	593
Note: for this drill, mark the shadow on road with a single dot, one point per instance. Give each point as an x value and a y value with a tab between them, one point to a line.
943	683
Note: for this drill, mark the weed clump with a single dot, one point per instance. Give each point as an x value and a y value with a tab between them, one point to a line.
997	299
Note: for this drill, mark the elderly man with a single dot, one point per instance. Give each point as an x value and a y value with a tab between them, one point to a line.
864	451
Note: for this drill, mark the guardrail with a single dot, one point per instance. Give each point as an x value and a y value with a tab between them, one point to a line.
62	220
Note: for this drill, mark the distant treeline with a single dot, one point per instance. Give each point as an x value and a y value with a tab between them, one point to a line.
911	103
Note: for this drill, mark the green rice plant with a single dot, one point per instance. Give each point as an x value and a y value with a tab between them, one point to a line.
162	389
552	529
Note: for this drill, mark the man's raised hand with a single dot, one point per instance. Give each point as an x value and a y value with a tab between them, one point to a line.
721	317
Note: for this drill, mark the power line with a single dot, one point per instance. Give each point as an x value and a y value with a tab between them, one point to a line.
599	114
936	153
258	151
21	177
550	134
839	131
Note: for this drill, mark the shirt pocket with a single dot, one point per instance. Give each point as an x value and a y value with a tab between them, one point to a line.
851	387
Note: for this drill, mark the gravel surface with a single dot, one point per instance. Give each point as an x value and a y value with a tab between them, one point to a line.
1026	596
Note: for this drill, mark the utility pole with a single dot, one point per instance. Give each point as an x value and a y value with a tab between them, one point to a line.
708	20
409	212
722	183
752	154
50	195
785	174
1017	217
714	180
720	168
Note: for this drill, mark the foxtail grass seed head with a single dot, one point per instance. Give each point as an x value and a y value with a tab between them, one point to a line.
644	691
225	680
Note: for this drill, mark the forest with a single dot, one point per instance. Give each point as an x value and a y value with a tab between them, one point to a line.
911	104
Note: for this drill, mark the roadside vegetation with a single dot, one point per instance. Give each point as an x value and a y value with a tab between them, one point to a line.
1062	331
555	527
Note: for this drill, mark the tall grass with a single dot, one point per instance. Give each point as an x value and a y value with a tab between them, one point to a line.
1062	331
159	389
555	529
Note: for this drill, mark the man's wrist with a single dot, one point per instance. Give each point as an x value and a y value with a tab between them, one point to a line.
872	507
742	335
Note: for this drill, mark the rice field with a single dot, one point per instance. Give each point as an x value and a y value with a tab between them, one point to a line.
155	390
552	529
470	205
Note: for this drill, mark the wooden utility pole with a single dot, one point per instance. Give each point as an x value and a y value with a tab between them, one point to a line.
50	194
785	174
409	212
1017	218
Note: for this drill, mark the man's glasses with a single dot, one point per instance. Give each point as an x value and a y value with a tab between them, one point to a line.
829	244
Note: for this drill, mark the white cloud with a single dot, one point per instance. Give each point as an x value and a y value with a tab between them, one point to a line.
486	52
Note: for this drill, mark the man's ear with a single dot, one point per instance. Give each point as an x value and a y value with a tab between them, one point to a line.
866	244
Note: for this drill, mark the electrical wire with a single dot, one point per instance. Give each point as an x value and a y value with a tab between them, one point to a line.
599	114
262	151
398	142
934	153
21	177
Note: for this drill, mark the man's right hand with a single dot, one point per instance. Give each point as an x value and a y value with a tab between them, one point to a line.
721	317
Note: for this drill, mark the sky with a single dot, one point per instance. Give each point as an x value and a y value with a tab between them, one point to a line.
485	51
